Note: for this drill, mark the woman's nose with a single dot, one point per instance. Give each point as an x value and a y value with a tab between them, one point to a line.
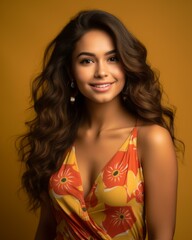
101	71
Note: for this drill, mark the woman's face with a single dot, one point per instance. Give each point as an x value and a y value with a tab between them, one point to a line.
97	71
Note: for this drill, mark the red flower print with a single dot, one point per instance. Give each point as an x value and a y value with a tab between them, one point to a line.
139	193
118	220
65	181
115	172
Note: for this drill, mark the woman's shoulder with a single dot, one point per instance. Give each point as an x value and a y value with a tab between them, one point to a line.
154	140
152	133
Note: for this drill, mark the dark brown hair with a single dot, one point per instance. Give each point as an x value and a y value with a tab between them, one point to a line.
55	125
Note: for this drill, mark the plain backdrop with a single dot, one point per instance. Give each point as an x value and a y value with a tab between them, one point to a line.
164	26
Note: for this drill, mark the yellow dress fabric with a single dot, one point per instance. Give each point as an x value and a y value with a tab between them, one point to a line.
114	207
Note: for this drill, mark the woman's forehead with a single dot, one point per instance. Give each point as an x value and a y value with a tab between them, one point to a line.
94	41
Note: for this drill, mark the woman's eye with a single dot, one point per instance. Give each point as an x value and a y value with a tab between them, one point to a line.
86	61
114	59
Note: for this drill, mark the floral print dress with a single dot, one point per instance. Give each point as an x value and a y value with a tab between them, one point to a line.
113	209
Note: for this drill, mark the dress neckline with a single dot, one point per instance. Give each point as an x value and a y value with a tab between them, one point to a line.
85	197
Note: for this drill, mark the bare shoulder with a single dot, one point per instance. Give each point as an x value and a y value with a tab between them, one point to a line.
156	141
154	134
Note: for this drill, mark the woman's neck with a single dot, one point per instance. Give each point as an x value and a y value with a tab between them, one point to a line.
105	116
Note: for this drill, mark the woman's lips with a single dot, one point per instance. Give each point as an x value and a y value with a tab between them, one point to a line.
101	87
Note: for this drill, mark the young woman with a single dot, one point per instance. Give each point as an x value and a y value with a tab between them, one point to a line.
100	153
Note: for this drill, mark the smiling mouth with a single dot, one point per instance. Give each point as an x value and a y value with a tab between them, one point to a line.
101	85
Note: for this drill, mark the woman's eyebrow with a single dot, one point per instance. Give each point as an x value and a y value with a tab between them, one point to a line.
93	55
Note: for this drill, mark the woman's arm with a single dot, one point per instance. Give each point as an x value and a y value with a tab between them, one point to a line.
46	229
158	159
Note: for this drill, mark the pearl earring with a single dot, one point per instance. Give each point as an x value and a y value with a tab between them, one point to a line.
72	98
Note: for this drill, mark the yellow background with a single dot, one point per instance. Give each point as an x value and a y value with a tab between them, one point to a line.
164	26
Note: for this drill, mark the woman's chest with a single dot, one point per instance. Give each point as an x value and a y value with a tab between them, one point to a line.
92	156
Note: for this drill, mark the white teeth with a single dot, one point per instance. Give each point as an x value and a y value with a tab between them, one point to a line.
102	85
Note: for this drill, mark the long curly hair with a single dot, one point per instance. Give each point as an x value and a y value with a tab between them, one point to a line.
55	125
